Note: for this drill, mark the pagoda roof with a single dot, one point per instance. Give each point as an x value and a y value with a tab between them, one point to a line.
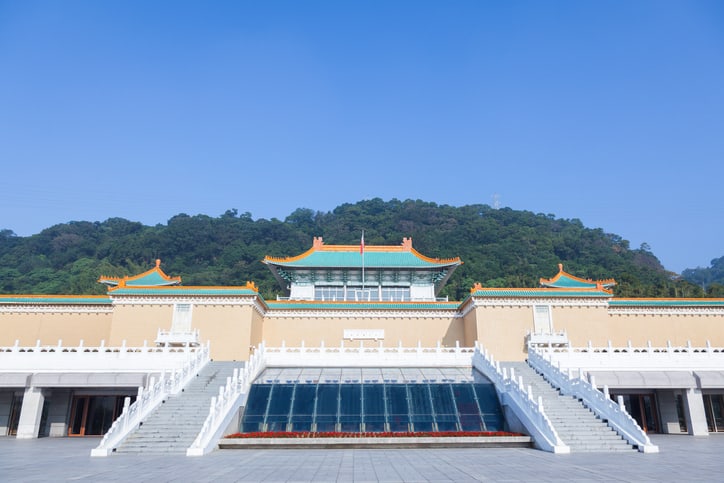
150	278
351	256
566	280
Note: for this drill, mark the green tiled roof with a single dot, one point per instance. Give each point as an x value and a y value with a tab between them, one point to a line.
55	300
666	303
353	259
294	305
150	278
566	280
532	292
182	291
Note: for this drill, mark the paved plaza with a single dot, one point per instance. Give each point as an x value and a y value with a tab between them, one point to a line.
682	458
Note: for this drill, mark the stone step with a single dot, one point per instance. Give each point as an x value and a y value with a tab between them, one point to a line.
176	423
575	424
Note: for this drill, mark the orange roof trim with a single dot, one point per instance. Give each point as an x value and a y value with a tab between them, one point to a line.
157	269
405	246
562	273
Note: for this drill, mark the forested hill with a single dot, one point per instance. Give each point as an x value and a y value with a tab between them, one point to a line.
499	247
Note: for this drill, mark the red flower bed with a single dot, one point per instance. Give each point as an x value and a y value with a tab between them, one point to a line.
388	434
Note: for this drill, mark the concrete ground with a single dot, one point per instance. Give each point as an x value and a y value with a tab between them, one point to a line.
682	458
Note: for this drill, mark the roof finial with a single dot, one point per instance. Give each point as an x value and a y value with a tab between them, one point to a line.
158	263
317	242
560	267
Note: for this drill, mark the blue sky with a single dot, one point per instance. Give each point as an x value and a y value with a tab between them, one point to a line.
611	112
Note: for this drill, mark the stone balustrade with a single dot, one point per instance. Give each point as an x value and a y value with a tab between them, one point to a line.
149	398
597	401
636	358
519	398
361	356
93	359
224	407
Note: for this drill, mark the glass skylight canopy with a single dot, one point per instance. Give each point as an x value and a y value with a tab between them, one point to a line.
371	400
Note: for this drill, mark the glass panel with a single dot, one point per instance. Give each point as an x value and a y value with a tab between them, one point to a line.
350	407
444	407
420	407
14	418
255	410
374	407
79	406
100	414
397	408
279	405
258	399
303	407
680	413
489	407
371	407
717	409
327	407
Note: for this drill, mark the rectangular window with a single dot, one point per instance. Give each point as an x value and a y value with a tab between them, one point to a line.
328	293
396	294
181	319
542	319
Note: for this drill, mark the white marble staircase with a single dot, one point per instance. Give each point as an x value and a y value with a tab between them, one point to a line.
174	425
575	424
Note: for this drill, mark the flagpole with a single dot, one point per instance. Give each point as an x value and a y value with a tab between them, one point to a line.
362	252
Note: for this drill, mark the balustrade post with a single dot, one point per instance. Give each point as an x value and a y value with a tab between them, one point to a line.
126	405
621	405
605	391
592	380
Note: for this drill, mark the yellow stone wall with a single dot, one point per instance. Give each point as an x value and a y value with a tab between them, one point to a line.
235	328
409	330
27	327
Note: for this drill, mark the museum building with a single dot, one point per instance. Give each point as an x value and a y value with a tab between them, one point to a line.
362	342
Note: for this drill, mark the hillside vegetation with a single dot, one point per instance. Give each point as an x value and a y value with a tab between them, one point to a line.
499	247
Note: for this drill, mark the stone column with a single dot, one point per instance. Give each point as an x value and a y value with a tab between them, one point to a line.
695	414
31	413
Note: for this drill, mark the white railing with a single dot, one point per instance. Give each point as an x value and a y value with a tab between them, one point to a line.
556	339
637	358
149	398
520	400
101	358
224	406
598	402
362	356
170	337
